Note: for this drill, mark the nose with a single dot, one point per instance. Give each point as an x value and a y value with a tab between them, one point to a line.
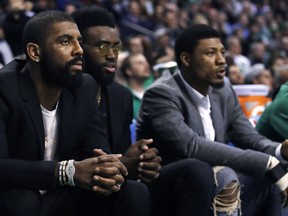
78	49
111	52
221	59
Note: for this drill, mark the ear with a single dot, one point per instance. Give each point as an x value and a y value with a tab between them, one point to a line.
185	59
33	51
128	72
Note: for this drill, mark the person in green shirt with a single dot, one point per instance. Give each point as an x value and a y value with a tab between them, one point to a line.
273	121
136	70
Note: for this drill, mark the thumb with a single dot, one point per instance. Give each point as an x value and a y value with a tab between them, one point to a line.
98	152
143	144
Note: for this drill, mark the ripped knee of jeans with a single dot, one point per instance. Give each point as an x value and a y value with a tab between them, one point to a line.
227	198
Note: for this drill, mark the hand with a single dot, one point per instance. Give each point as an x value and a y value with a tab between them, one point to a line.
284	149
284	200
100	152
142	162
103	173
149	167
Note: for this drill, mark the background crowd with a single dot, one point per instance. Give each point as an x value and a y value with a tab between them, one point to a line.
254	32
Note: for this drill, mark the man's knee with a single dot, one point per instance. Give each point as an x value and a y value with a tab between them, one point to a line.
134	199
192	170
227	197
20	202
135	188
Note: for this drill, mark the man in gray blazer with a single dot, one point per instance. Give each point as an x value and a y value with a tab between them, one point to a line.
195	114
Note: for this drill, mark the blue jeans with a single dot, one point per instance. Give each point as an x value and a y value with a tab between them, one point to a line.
258	197
223	177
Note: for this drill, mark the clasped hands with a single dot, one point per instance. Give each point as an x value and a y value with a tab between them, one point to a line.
142	162
103	173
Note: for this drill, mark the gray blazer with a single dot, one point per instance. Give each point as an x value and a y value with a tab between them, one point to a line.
170	116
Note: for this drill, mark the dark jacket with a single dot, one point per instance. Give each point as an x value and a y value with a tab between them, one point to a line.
119	115
22	130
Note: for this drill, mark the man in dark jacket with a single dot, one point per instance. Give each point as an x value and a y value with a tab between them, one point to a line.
172	191
51	134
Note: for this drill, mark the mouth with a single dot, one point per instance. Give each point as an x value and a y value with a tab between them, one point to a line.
110	67
78	66
221	72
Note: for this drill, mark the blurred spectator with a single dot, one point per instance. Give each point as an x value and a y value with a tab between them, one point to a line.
139	44
264	32
134	44
162	47
41	5
136	70
135	20
234	49
234	75
280	76
260	75
284	46
258	53
243	25
18	12
70	7
6	54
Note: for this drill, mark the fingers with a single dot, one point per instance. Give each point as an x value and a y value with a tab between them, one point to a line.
151	154
108	158
142	144
107	172
110	161
102	191
103	185
284	200
148	171
98	152
148	175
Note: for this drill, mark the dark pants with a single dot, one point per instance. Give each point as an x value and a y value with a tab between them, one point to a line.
132	200
184	188
259	197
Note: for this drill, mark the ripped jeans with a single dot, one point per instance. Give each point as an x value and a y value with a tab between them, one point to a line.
237	194
226	203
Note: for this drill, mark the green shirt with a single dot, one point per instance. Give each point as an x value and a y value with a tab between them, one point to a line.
273	122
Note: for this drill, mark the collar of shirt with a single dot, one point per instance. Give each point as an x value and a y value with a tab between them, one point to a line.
201	100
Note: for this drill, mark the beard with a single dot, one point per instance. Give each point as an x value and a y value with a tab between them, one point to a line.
218	85
55	75
98	72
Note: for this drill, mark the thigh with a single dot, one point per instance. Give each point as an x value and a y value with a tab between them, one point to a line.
132	200
183	188
259	197
73	201
20	202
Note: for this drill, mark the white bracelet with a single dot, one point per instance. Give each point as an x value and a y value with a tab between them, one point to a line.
70	171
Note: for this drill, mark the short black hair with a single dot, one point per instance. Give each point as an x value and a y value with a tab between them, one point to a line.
39	26
188	39
87	17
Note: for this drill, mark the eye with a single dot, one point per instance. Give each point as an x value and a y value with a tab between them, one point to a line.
65	42
210	53
103	46
117	47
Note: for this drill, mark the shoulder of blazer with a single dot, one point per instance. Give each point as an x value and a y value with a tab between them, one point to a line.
12	70
117	88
